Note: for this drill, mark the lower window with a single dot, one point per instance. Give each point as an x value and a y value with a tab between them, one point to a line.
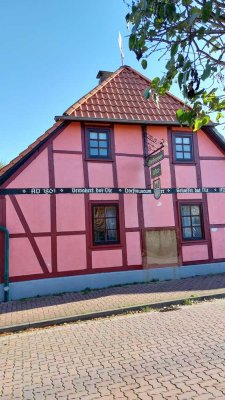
105	224
191	221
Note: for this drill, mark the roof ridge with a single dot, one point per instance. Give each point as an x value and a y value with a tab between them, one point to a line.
149	81
84	98
138	73
96	89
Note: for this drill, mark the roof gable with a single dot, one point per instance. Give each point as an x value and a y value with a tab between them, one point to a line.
121	97
13	165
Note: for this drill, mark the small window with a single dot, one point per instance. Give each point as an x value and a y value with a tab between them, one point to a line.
183	148
105	224
191	222
98	143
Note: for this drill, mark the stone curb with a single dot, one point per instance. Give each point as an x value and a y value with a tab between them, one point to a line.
105	313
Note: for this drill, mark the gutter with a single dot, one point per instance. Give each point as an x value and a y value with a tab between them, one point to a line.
122	121
115	121
6	263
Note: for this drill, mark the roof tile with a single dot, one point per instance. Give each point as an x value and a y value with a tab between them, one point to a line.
121	96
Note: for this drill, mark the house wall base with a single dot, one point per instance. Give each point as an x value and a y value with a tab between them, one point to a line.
50	286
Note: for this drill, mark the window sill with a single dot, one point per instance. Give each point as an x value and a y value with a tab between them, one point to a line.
102	160
193	242
184	163
106	246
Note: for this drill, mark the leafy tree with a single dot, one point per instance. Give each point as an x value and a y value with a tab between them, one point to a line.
189	36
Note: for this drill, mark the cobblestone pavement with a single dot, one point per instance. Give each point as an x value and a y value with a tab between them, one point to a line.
172	355
71	304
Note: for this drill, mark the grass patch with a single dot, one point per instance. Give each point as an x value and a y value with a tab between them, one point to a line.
146	309
188	302
86	290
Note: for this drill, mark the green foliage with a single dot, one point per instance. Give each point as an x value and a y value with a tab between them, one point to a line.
86	290
146	309
188	302
147	93
144	64
189	35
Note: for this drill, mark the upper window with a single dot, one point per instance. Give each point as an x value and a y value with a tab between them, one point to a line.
99	143
191	222
105	224
183	148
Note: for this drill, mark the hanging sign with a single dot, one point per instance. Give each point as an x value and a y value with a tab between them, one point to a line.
156	171
157	188
155	158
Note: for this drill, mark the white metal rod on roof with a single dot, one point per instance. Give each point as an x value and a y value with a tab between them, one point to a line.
121	48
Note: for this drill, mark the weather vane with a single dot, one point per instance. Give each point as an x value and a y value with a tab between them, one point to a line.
121	48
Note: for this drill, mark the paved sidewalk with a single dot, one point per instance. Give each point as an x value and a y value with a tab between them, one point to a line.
49	310
176	355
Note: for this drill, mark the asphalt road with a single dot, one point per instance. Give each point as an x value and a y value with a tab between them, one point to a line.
172	355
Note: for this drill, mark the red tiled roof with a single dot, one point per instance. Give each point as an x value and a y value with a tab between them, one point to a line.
121	97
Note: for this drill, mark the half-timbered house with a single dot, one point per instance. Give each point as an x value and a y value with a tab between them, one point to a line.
79	207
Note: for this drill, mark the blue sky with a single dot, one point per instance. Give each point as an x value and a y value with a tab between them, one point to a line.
51	51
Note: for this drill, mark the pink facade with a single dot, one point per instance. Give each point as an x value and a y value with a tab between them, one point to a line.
71	254
218	237
198	253
107	259
63	234
63	223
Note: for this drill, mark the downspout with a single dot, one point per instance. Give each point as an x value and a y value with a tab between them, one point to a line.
6	263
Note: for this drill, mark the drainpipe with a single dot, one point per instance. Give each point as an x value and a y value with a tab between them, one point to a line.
6	263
